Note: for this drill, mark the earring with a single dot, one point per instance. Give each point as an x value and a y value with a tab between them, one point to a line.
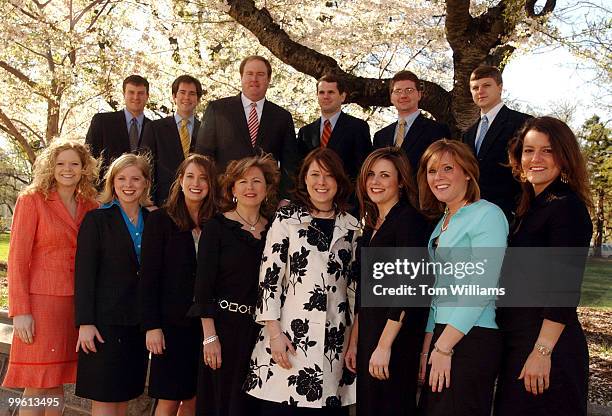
564	177
522	176
234	199
467	178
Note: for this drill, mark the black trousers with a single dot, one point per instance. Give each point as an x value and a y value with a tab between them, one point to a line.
474	367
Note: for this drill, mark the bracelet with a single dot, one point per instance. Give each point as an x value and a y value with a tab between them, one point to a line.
425	354
210	339
447	353
543	350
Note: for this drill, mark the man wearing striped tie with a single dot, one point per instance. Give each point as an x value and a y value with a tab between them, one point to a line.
489	138
172	138
243	125
348	136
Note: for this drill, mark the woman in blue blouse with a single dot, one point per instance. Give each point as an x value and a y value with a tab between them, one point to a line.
462	342
112	362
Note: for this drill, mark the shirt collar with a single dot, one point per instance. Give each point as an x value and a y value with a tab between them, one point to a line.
178	118
492	112
411	117
110	204
247	102
333	119
129	117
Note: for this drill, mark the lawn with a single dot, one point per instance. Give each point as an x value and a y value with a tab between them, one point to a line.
4	241
597	283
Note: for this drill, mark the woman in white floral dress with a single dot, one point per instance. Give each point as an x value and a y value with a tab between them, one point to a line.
306	297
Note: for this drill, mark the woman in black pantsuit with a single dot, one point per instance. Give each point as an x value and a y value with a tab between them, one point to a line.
112	364
169	245
226	286
388	341
545	358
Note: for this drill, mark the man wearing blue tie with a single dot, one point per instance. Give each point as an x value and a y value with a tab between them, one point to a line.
489	138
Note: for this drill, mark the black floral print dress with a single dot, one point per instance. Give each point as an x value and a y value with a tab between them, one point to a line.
305	283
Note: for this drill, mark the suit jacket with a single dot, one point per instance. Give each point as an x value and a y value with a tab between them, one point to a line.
496	182
106	270
224	135
422	133
162	139
350	139
108	137
167	274
43	244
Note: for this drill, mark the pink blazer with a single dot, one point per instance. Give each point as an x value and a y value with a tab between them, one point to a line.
42	249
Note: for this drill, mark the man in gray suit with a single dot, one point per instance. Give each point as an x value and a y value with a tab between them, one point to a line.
240	126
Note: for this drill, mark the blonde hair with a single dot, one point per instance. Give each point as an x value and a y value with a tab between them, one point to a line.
463	156
43	173
125	161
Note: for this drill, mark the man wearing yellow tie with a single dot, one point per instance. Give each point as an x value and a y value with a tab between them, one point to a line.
172	138
413	131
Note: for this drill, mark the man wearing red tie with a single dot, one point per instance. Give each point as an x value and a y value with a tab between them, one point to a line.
348	136
240	126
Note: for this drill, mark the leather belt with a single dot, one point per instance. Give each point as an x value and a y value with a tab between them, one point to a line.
236	307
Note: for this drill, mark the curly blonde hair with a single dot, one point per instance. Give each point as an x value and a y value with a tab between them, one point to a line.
44	170
126	160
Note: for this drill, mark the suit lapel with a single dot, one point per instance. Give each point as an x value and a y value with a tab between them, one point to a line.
266	121
494	131
125	236
336	136
174	138
194	134
238	109
61	212
124	138
413	135
314	134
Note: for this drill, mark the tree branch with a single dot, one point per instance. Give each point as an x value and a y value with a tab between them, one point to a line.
14	132
530	8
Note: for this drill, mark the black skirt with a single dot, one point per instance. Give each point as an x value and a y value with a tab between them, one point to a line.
117	372
174	374
474	367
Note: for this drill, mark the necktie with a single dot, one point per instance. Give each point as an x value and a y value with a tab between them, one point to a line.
133	134
400	133
253	124
184	134
327	131
484	127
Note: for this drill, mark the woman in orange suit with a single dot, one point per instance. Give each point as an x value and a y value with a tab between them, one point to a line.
41	274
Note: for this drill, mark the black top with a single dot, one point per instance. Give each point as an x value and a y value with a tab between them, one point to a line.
228	266
325	228
106	270
556	218
404	226
167	274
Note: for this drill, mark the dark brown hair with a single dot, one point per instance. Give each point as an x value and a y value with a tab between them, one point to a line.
136	80
332	78
186	79
256	58
567	155
236	170
463	156
175	204
405	76
408	191
330	161
487	71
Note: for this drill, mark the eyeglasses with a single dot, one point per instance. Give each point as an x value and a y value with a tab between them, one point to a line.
407	91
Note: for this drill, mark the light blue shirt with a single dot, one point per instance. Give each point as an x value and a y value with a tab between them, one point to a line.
479	225
128	121
409	122
332	120
134	230
190	123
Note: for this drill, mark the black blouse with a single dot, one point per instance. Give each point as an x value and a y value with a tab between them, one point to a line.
228	266
557	218
404	226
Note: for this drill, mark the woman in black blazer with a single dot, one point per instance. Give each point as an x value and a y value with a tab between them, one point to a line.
169	250
385	342
112	363
545	363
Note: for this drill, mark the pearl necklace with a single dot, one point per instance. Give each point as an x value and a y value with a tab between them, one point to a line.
446	212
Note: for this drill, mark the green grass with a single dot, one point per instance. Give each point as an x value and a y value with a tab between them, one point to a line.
4	242
597	283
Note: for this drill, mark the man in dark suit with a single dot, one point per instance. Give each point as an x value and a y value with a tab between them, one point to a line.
172	138
489	138
112	134
348	136
413	132
237	127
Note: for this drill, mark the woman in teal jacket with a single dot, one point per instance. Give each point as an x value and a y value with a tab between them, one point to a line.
462	342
